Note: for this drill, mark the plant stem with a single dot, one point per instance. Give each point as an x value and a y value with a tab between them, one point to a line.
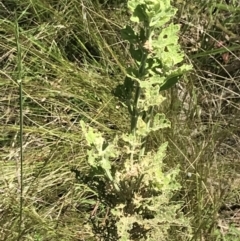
19	81
141	72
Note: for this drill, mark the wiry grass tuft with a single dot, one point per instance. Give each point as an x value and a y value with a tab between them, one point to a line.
67	62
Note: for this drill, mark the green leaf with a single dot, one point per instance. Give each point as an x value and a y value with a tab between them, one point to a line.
166	46
139	14
106	166
128	34
175	76
170	82
91	158
89	133
136	53
160	122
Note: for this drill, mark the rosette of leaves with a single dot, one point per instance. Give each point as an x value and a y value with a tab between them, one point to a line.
143	209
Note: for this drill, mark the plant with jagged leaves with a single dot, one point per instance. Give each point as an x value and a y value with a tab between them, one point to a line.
142	205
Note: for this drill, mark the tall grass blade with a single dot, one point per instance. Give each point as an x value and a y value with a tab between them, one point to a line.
19	81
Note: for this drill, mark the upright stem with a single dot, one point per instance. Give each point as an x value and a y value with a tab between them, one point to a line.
148	121
19	81
141	72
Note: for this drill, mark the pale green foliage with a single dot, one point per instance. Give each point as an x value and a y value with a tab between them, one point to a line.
100	154
145	211
155	11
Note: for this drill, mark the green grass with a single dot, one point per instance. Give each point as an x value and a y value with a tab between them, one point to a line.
72	59
58	91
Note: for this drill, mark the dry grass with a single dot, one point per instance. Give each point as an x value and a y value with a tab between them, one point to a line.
59	90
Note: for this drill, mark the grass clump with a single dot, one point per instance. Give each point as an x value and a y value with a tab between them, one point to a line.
58	92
